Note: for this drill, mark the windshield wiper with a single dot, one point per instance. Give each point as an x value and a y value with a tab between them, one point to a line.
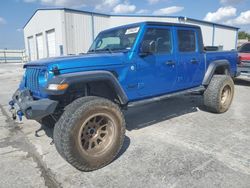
108	49
102	50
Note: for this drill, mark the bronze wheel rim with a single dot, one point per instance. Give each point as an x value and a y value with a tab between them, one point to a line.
96	134
226	95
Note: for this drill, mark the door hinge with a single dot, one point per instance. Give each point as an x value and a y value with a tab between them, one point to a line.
135	86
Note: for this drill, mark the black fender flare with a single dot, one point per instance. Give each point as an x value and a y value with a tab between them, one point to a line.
212	68
87	77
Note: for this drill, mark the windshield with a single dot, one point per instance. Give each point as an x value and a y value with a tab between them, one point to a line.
245	48
115	40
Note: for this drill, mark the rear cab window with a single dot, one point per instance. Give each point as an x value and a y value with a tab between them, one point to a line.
187	40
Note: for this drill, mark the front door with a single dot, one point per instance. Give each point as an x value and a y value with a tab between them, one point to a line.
157	71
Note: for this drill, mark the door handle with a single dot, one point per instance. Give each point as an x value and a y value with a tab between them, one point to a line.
194	61
170	62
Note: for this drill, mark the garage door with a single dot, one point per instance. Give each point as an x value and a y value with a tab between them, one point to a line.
40	49
31	48
51	42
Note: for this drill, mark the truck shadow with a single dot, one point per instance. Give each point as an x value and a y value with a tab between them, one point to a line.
152	113
146	115
242	82
49	132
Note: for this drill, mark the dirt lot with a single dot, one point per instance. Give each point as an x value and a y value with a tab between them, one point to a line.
172	143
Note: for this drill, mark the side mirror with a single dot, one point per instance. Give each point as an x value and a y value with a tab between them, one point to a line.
99	43
147	47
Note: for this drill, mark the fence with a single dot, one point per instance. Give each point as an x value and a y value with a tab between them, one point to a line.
13	56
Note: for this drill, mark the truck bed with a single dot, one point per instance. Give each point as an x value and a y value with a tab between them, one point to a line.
231	56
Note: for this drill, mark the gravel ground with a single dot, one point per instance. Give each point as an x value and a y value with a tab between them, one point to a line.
172	143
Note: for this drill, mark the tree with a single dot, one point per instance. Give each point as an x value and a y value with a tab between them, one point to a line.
243	35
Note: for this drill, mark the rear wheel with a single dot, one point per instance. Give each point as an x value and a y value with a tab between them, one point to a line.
219	94
90	133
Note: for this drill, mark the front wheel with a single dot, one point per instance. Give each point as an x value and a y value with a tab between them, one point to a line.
90	133
219	94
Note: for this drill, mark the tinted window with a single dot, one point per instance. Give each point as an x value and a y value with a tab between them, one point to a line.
245	48
186	41
162	39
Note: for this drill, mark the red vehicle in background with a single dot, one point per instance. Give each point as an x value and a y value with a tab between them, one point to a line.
244	59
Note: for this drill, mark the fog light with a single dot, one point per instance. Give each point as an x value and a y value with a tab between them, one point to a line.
56	87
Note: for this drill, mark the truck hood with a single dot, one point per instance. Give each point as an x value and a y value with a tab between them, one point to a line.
81	61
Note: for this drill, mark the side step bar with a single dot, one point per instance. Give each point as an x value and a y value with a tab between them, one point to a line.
159	98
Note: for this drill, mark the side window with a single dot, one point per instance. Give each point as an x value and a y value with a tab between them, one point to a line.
161	38
186	41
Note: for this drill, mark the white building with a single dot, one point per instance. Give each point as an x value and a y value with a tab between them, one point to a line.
61	31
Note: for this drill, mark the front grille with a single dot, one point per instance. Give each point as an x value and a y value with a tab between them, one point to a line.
32	76
245	61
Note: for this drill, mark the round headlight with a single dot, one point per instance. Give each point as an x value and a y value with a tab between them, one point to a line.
46	75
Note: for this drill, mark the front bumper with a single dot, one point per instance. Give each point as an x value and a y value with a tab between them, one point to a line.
23	101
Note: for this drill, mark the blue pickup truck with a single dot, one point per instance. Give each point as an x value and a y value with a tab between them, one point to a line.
83	96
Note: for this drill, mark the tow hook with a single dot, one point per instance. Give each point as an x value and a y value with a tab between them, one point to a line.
15	112
20	115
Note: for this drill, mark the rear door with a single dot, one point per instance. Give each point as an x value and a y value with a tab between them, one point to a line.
39	46
51	43
31	46
190	58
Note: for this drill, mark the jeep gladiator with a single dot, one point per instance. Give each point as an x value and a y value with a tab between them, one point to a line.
83	96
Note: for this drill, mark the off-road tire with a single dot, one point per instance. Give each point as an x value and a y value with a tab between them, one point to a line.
219	94
76	120
68	110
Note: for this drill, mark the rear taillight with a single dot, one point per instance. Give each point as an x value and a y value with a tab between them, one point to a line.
239	61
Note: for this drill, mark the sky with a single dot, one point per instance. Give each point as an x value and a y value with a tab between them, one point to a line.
15	13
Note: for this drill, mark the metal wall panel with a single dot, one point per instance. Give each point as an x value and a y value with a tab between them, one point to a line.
225	37
100	23
75	30
78	30
41	22
207	32
121	20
